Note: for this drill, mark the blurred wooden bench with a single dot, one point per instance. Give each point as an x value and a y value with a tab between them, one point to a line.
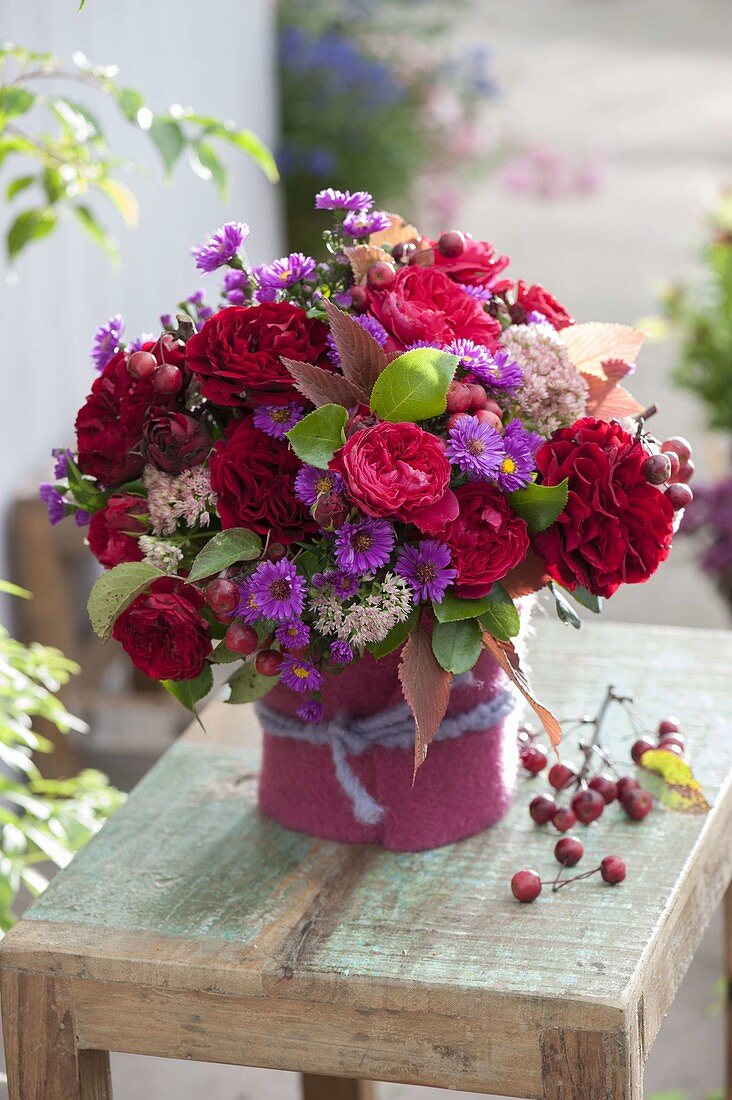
191	927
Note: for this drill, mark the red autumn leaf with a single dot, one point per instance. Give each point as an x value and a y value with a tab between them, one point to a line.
507	657
526	578
608	401
362	360
426	687
322	387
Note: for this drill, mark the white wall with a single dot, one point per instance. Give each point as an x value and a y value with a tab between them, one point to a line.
217	57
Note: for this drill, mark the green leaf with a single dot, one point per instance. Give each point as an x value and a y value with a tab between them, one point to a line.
457	645
539	505
77	120
129	101
564	609
222	655
96	230
169	140
115	591
15	101
225	548
207	165
501	619
396	637
17	185
414	386
122	198
586	599
15	590
317	437
452	608
29	226
253	146
189	692
247	684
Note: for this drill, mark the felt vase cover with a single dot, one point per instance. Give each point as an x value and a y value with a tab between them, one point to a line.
466	783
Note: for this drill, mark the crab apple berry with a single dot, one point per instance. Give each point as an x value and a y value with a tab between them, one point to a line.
167	379
675	463
381	275
487	416
625	784
222	596
564	819
569	851
241	638
639	747
534	759
141	364
673	739
605	786
452	243
612	869
455	418
670	745
680	446
478	396
680	496
684	473
657	469
268	661
542	808
526	886
275	551
403	250
588	806
562	775
668	726
458	397
637	804
359	298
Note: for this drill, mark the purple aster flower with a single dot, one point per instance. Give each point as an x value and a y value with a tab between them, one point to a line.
299	675
166	320
249	608
81	517
344	584
262	293
311	482
533	317
423	344
364	546
343	299
471	355
61	458
517	465
341	653
368	324
476	448
275	420
205	312
362	223
55	503
480	293
330	199
197	298
294	634
290	269
235	285
139	343
499	372
221	247
310	711
106	341
279	589
427	567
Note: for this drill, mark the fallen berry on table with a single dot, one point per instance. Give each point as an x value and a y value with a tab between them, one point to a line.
542	808
588	806
612	870
564	819
569	851
637	804
534	759
562	775
625	784
606	786
668	726
639	747
526	886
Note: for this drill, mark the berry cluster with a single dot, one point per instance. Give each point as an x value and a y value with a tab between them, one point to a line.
587	792
223	597
672	466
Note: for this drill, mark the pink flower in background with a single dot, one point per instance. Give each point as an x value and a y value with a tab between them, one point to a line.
551	174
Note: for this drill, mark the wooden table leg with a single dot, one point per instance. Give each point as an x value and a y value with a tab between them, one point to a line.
315	1087
728	959
43	1059
591	1065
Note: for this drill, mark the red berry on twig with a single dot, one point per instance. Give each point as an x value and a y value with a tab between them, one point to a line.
562	775
612	870
637	804
526	886
542	808
564	819
569	851
588	806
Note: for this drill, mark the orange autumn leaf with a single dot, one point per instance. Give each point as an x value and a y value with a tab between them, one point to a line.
426	688
608	401
589	345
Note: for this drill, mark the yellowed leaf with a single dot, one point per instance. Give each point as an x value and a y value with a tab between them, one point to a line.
672	782
589	344
363	256
398	232
608	401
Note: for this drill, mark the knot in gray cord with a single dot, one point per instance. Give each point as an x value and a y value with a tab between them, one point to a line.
390	729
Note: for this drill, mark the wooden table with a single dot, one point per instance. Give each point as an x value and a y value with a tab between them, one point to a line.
191	927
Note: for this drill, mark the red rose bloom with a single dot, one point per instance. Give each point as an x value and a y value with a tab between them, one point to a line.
115	529
237	352
253	476
530	298
399	471
616	528
487	539
163	632
175	441
423	303
477	265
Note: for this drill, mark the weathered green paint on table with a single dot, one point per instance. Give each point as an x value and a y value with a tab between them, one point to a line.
353	961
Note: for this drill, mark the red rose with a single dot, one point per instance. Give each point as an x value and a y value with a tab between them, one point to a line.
487	539
115	529
530	298
237	352
400	471
109	424
477	265
423	303
175	441
616	528
163	632
253	476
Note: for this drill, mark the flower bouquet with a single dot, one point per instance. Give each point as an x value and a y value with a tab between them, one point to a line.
341	486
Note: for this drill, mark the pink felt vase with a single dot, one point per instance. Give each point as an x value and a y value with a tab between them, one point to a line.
350	777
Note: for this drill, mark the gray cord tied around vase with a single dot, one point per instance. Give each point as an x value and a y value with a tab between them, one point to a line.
390	729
